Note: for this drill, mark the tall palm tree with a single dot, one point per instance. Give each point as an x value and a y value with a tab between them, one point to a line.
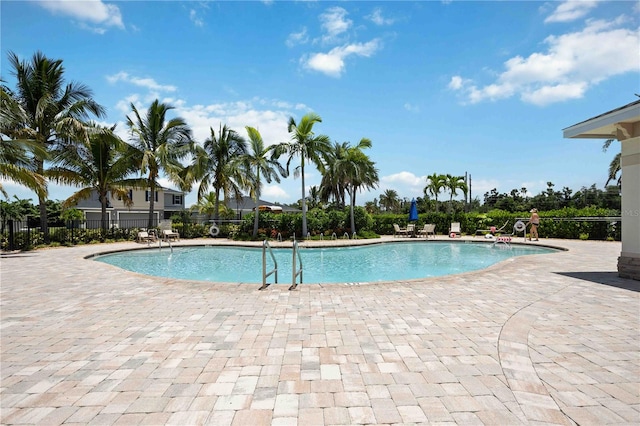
54	111
160	145
435	184
389	199
260	164
309	147
357	172
101	164
216	164
453	183
332	184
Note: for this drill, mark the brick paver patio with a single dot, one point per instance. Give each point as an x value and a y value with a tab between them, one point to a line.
544	339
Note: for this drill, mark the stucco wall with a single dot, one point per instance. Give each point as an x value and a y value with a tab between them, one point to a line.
630	162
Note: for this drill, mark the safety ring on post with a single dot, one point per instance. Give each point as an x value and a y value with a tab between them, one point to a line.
214	230
520	226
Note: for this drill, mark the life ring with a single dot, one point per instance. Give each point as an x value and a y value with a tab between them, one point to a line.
519	226
214	230
452	235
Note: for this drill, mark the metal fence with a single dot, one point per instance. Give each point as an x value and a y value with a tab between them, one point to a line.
23	235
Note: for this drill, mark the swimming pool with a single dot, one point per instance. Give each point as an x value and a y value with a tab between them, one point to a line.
369	263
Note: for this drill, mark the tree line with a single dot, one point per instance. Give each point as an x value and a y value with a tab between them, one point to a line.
48	135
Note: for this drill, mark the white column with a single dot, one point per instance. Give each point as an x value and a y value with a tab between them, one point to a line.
629	261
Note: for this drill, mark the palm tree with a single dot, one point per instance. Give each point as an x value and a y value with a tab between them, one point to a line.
259	164
206	204
389	199
332	184
17	152
614	166
53	111
357	171
435	184
160	145
101	164
216	164
309	147
315	198
453	183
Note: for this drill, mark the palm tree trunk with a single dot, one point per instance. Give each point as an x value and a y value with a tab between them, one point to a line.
256	219
103	217
304	203
351	205
216	206
152	190
42	204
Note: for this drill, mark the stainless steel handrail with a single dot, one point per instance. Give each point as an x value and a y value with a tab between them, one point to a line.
294	273
265	246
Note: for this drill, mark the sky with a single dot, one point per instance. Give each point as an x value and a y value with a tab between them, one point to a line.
448	87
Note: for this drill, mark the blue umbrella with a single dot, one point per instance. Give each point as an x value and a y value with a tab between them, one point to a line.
413	211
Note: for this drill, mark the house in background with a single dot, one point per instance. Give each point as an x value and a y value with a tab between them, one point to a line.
167	202
246	205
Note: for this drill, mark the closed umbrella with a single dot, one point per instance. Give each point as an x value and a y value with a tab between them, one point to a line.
413	211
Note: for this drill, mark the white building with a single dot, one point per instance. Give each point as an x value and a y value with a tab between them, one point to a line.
622	124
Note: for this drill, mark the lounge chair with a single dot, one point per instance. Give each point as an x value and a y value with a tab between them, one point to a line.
492	230
397	231
144	236
454	230
169	234
429	229
411	229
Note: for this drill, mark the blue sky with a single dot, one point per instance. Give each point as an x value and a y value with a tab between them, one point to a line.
439	87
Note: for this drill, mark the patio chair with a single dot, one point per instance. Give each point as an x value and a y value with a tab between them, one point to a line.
454	230
429	229
167	232
144	236
399	231
170	234
492	230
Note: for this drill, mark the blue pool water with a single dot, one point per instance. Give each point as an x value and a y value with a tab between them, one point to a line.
371	263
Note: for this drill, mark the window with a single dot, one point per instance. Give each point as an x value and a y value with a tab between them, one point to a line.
146	196
177	200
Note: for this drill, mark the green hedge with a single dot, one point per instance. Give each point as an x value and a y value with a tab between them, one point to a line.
552	224
318	222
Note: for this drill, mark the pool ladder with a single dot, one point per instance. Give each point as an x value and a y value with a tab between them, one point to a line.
294	273
296	268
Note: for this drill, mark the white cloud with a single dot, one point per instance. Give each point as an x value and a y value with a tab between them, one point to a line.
377	18
297	38
197	20
406	184
572	63
275	193
411	108
147	83
87	12
332	63
334	23
571	10
480	186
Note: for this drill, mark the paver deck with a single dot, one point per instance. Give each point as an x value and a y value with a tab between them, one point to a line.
543	339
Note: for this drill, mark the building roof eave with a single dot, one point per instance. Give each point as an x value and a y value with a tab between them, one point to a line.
606	125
